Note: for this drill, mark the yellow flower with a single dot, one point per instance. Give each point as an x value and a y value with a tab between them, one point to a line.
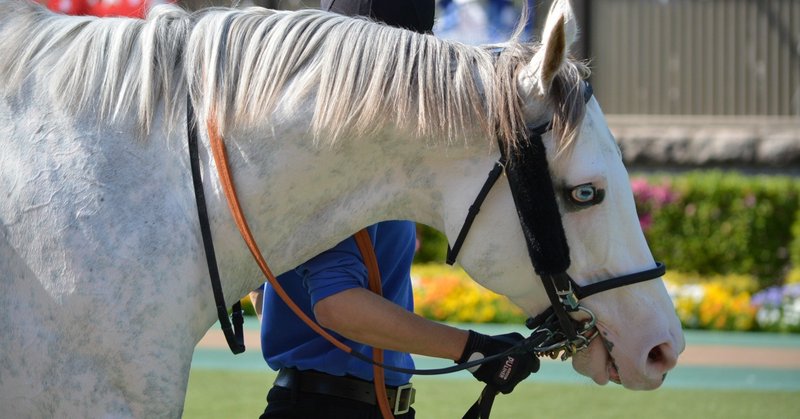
715	304
449	294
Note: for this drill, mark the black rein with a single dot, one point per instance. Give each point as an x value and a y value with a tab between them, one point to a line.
234	335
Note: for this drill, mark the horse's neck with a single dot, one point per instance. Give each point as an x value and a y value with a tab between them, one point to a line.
302	199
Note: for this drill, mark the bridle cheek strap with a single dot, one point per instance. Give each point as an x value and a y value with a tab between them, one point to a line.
474	209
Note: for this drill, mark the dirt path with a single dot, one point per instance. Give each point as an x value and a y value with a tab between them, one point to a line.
707	355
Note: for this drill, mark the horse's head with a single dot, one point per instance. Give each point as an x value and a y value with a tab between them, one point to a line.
640	333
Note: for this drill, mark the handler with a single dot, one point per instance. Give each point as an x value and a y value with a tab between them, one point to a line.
318	380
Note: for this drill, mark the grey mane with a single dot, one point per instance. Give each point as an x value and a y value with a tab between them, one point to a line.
241	65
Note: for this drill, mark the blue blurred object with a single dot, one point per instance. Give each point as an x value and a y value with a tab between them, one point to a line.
478	22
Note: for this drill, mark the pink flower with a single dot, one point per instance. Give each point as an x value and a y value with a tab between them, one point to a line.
662	195
641	189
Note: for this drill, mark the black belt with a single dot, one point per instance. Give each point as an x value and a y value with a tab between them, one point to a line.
345	387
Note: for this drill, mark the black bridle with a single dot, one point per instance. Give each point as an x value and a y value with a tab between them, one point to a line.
554	331
535	200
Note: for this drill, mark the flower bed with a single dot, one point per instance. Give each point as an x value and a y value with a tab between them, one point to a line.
728	302
445	293
712	306
718	303
778	308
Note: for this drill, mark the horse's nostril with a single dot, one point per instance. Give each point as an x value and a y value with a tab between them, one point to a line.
655	355
662	358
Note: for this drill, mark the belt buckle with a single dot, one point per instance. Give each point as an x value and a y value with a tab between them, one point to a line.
403	399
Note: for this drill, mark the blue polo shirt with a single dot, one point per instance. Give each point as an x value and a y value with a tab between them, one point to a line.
287	342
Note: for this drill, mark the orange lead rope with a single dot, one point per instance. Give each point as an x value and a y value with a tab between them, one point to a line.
221	159
370	260
364	243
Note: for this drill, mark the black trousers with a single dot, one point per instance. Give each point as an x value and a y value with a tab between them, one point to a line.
416	15
283	403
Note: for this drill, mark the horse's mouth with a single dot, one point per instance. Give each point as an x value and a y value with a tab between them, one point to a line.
613	371
611	366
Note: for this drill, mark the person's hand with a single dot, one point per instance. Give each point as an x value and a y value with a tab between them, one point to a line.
502	374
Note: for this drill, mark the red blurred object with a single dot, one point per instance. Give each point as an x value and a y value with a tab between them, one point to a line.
69	7
103	8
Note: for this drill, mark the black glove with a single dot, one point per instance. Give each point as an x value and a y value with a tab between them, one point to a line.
504	373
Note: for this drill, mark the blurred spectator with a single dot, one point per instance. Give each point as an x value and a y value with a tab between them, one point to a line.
479	22
103	8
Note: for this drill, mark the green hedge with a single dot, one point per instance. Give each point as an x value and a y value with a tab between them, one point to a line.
708	223
432	245
794	248
722	223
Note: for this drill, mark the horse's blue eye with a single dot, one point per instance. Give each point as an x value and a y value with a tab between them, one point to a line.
586	195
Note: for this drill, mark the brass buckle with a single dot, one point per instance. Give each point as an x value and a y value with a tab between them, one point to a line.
403	398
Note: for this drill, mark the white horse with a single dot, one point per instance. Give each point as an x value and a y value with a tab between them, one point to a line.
331	124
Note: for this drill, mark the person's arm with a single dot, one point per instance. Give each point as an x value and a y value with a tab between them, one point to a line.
368	318
365	317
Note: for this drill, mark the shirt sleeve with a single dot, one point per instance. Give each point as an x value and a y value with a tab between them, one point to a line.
333	271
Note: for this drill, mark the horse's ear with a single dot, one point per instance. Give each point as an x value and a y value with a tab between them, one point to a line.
560	31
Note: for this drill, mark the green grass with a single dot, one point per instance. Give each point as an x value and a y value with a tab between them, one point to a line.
223	394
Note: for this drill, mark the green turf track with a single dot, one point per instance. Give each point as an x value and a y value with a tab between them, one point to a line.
222	385
240	394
